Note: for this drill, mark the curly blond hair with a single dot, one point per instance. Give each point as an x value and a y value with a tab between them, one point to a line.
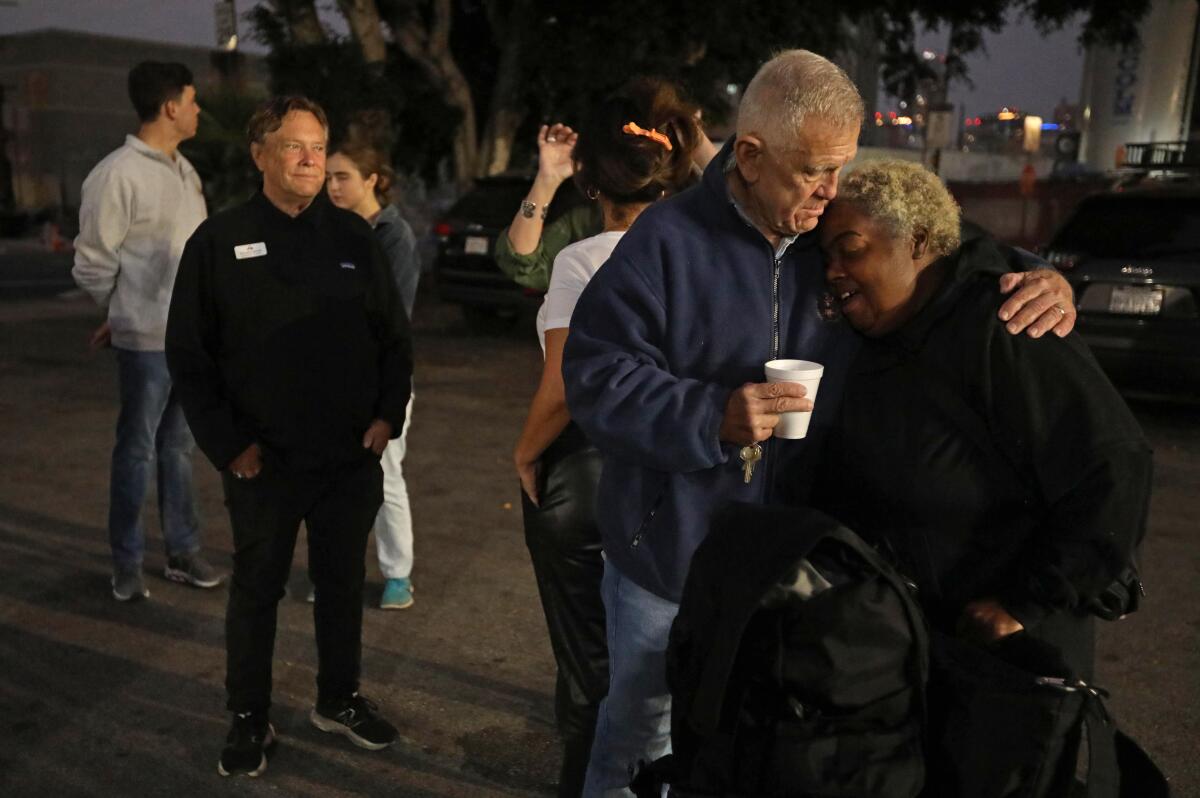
907	199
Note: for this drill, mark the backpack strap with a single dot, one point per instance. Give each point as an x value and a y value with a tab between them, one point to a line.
1117	765
916	619
1102	775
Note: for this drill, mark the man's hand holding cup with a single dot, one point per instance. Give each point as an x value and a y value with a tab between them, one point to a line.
794	424
754	410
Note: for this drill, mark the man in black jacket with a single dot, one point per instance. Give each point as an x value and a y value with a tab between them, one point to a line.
291	356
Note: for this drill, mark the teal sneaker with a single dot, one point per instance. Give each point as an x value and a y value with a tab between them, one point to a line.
397	594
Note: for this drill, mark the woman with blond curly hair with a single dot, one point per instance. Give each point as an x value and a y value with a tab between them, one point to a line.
1004	472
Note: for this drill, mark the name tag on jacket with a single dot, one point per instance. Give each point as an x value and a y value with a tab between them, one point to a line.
243	251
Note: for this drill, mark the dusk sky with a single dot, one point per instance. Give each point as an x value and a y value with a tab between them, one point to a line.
1020	67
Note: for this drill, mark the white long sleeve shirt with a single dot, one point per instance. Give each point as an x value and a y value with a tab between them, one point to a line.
139	208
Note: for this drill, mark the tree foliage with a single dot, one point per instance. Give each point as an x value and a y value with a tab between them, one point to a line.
219	150
469	80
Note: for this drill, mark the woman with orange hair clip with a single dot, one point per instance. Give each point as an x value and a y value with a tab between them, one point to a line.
637	147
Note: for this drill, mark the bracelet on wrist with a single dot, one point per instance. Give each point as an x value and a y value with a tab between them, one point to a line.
528	208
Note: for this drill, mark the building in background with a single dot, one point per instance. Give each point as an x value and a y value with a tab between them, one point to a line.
66	104
1145	91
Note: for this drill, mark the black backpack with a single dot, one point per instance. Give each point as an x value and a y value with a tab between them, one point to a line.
797	666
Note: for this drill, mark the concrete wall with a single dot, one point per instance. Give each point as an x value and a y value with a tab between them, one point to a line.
1027	222
957	166
986	187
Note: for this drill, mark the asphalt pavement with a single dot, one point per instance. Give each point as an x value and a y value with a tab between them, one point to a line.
99	698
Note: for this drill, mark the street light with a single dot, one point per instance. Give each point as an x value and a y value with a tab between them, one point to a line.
1028	180
225	16
1033	134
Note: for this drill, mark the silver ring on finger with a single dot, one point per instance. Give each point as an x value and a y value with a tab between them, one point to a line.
551	139
1061	311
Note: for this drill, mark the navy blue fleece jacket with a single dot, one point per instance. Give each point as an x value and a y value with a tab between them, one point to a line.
689	307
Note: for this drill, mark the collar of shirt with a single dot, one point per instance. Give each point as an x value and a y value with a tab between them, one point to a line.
728	168
178	163
312	216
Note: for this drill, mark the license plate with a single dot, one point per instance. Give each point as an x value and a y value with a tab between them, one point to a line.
476	245
1139	300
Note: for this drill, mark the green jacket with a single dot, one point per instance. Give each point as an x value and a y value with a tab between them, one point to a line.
533	269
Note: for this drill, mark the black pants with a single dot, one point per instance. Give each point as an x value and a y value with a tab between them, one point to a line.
339	509
564	544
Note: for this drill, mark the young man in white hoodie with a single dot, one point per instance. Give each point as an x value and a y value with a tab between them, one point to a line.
140	204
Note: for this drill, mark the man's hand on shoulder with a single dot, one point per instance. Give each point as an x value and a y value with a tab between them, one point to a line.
1044	302
377	436
752	412
248	464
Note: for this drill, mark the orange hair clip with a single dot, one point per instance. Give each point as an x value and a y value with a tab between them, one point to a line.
633	129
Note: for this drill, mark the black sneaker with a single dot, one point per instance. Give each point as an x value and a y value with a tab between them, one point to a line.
356	718
250	739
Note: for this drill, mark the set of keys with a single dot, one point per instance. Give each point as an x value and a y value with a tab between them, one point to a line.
749	456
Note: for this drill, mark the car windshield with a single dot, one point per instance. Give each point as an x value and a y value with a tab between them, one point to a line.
1132	227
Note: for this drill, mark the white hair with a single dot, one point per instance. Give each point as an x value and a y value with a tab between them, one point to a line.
794	86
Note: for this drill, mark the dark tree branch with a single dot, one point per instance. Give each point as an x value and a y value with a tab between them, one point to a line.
302	21
365	26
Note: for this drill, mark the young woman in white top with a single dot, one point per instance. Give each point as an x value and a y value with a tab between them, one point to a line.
637	147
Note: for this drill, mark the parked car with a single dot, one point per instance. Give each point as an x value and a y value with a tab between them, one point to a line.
465	271
1133	257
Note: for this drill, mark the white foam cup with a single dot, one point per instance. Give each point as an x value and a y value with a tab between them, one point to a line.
795	424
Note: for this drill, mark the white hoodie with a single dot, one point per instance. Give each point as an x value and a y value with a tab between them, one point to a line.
139	208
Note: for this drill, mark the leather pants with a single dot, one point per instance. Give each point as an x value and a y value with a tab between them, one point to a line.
564	544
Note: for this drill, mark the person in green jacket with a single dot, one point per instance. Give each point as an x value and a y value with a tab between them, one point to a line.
526	249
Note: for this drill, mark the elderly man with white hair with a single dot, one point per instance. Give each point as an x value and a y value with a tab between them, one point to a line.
664	369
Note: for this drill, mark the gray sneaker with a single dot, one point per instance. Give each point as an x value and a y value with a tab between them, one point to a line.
191	569
127	584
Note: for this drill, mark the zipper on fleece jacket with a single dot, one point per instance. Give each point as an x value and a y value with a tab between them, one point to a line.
775	270
768	445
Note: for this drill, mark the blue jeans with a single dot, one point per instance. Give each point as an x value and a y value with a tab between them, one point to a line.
151	431
635	718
